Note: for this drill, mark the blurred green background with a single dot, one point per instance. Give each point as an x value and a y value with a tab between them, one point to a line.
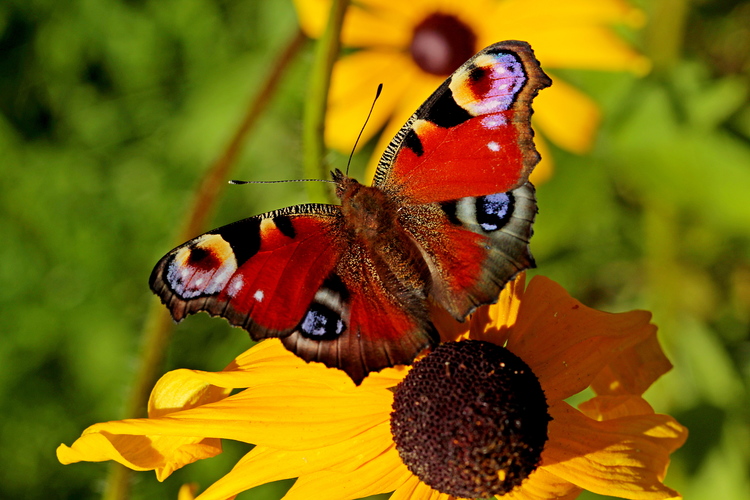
110	111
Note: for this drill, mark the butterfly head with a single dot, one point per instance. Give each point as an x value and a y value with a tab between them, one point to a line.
345	185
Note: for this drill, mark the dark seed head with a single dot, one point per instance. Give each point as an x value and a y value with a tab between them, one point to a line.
470	419
441	43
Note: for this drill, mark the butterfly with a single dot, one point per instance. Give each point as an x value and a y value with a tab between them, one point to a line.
446	223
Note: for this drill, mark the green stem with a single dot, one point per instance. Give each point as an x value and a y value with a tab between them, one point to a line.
313	136
662	269
159	326
665	33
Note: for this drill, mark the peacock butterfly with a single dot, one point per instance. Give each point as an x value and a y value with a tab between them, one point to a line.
447	222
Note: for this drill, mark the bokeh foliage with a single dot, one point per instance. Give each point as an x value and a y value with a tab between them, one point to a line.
111	110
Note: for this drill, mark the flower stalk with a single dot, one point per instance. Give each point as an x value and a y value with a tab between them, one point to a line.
326	53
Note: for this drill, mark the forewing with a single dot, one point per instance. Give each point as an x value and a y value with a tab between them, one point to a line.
259	273
473	136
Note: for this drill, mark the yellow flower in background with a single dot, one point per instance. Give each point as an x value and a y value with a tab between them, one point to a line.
412	46
311	422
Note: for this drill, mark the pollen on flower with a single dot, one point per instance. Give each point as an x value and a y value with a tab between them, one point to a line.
470	420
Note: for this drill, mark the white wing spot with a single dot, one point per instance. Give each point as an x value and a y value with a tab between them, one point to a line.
493	121
493	146
259	295
235	285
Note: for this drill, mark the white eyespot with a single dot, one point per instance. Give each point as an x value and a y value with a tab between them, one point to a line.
259	295
493	146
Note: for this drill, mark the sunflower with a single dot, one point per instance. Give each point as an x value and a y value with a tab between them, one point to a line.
411	47
482	416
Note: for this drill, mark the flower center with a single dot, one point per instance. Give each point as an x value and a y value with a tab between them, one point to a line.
441	43
470	419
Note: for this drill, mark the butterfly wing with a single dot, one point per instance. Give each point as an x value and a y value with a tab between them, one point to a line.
259	273
459	167
296	274
452	186
379	321
476	245
473	136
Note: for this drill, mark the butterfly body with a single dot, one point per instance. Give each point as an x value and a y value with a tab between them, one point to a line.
446	222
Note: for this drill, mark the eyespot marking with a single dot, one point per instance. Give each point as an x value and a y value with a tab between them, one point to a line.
201	268
494	90
321	323
325	318
493	211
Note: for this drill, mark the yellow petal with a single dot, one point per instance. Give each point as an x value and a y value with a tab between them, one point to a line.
541	485
567	117
187	491
582	11
312	15
624	457
180	390
633	371
367	24
414	489
493	323
558	31
378	475
610	407
407	491
385	378
449	328
353	84
165	454
267	362
247	473
567	344
558	46
271	415
263	465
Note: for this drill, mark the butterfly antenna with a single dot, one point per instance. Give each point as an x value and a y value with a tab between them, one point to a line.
236	182
377	94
